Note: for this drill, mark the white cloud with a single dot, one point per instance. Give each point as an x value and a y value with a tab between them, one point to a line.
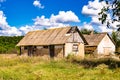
42	21
95	21
12	31
25	29
105	29
37	3
3	23
87	26
87	11
92	10
59	20
5	29
63	16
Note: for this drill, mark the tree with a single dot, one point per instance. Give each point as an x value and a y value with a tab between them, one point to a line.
113	8
8	43
86	31
116	38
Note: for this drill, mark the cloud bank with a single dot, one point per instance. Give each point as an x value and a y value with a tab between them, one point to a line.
92	10
40	22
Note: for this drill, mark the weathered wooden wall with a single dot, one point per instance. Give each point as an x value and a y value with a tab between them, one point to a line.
41	51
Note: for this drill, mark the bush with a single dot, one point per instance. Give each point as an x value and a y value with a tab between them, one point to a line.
91	63
73	58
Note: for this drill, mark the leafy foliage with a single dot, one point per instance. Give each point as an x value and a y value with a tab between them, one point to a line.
116	39
8	44
113	8
86	31
112	63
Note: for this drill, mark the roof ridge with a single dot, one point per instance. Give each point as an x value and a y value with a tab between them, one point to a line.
56	36
51	29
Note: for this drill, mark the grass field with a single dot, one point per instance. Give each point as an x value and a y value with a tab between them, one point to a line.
35	68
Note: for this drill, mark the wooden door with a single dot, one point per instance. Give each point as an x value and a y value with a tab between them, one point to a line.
107	50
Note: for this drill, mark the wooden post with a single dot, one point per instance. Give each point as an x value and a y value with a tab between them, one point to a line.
29	50
51	51
63	51
20	50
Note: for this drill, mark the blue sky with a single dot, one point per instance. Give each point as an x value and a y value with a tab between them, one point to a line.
20	12
17	17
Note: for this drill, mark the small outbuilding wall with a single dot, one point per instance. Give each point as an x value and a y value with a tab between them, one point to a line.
74	48
100	44
106	46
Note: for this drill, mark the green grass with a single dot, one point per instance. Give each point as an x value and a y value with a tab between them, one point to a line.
35	68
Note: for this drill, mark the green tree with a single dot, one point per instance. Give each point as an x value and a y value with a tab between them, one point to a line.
116	38
113	8
8	43
86	31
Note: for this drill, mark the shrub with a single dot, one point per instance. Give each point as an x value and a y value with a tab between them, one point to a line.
91	63
73	58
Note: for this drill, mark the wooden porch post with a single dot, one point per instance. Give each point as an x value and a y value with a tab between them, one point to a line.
30	50
63	51
52	50
20	50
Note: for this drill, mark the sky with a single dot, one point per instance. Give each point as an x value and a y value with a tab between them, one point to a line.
17	17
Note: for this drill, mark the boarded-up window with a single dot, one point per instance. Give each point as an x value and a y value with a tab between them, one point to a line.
75	47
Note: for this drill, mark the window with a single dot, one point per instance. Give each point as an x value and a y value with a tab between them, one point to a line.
75	47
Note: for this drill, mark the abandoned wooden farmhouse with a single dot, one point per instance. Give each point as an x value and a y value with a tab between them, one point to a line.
100	44
58	42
